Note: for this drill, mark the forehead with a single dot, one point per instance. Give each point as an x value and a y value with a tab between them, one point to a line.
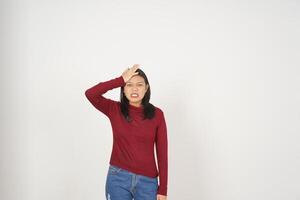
136	79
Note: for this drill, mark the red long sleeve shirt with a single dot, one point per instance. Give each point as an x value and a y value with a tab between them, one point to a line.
133	142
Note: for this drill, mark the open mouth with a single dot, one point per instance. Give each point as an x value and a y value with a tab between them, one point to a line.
134	95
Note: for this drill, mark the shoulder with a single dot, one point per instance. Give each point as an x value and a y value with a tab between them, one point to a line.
158	109
116	104
159	112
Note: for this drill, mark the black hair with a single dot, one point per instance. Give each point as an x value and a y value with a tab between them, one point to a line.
148	108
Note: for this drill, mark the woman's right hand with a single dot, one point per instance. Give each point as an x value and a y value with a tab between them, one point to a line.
128	73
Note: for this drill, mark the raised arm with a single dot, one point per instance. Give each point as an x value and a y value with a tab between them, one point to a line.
95	93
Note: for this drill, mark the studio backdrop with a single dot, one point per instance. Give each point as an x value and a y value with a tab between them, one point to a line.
225	73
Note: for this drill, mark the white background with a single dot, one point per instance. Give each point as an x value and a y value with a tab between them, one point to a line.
225	73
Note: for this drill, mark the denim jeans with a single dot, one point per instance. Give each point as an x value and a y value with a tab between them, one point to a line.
124	185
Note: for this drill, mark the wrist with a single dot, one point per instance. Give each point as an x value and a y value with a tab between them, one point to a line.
123	79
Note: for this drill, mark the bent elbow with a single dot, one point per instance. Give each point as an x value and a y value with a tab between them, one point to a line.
88	94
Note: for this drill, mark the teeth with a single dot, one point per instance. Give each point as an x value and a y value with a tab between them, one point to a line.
134	95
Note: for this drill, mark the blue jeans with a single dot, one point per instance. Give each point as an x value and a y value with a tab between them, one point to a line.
124	185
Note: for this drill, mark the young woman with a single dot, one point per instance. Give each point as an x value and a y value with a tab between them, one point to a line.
137	126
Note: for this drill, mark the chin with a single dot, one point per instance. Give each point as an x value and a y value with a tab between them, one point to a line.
135	100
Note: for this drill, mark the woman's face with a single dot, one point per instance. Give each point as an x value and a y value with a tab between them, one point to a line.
135	90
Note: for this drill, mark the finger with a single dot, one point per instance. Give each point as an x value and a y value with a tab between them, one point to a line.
127	69
136	66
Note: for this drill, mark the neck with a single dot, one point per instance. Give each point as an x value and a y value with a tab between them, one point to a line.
135	104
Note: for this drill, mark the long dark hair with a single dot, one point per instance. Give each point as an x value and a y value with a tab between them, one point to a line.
149	109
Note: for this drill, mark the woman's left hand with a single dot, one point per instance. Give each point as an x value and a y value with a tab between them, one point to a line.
161	197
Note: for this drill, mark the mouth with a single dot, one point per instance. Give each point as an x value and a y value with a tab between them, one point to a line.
134	95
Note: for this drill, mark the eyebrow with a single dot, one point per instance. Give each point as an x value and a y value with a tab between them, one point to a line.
136	82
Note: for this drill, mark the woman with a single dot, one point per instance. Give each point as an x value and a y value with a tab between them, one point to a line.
137	126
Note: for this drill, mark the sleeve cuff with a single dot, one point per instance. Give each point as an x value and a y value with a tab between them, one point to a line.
162	191
121	80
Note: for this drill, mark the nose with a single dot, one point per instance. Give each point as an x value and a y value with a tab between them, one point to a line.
134	88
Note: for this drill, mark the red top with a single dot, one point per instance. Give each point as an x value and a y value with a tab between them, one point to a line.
133	142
